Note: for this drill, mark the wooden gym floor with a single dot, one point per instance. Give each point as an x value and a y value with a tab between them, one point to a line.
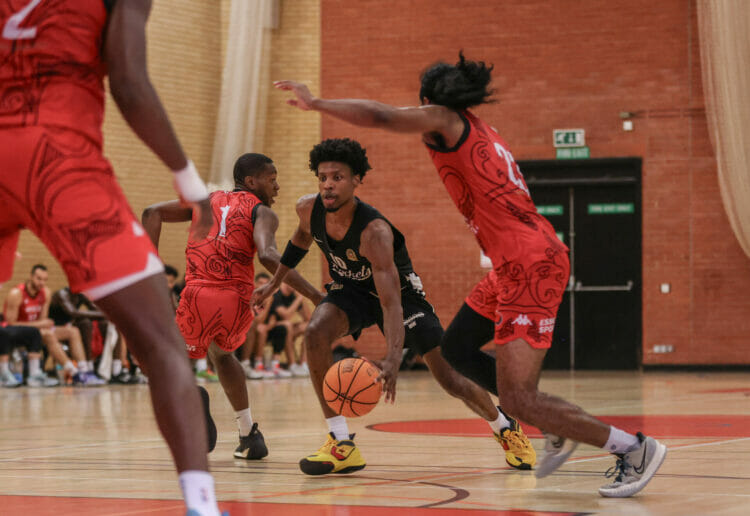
72	451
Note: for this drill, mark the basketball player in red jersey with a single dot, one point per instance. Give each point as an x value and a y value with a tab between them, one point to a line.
518	300
214	314
56	182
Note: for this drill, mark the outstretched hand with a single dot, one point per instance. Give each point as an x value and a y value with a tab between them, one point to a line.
304	97
203	219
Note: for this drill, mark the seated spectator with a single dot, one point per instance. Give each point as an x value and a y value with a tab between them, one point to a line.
288	318
30	338
28	305
255	342
67	308
175	286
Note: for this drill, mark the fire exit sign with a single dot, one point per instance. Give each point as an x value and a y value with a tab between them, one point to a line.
569	137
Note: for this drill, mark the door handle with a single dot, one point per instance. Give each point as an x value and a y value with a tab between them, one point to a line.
604	288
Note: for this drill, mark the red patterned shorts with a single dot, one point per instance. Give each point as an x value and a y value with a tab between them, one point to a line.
221	314
56	183
522	297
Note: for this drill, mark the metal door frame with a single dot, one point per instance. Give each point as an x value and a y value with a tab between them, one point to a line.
591	172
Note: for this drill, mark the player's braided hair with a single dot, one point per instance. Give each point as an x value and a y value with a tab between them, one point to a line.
250	164
341	150
458	86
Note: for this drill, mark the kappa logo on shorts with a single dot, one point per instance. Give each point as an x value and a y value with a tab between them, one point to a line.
522	320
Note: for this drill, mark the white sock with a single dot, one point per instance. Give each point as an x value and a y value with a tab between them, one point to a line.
198	492
83	366
201	365
70	366
245	363
116	367
4	369
337	425
620	442
89	365
244	421
34	367
499	423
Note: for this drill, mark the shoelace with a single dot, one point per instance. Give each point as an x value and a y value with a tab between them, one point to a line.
327	446
620	469
515	439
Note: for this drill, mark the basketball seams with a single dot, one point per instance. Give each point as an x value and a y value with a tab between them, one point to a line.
345	402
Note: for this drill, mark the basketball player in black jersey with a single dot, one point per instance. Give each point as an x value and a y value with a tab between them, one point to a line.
373	283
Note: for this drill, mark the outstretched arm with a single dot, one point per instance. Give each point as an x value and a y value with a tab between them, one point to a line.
377	246
369	113
264	234
125	54
298	244
169	211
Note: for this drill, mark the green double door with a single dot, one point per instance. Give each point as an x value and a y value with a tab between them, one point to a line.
598	217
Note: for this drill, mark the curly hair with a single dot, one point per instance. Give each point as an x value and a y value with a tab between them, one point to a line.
341	150
458	86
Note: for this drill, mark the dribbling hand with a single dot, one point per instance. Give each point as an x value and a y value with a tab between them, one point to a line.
304	97
388	374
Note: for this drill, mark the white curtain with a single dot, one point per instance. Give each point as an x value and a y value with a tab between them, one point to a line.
243	87
725	59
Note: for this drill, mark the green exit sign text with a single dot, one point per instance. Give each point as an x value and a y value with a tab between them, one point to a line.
569	137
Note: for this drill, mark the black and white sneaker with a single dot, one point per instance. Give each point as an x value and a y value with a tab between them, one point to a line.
252	446
556	451
210	425
634	469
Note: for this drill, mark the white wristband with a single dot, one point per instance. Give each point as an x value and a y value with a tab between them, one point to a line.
189	184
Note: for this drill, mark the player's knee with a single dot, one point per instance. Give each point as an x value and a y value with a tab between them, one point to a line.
316	335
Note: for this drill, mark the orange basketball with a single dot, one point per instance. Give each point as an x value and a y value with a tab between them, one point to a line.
349	387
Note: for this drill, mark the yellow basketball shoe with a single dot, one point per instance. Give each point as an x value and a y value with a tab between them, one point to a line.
519	453
333	457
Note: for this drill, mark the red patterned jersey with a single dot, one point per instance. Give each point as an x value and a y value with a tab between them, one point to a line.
486	185
31	307
51	65
226	254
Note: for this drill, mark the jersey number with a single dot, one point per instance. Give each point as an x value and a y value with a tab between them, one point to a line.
13	30
223	226
512	168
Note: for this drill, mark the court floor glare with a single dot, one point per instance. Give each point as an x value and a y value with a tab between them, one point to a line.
73	451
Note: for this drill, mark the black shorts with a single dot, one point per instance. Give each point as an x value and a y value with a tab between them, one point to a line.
421	324
277	338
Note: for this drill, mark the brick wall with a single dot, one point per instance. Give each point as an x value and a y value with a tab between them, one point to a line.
289	133
571	64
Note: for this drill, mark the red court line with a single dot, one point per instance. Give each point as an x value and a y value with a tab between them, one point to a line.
743	390
658	426
69	506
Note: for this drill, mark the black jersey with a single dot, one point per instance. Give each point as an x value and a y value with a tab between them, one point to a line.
345	264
